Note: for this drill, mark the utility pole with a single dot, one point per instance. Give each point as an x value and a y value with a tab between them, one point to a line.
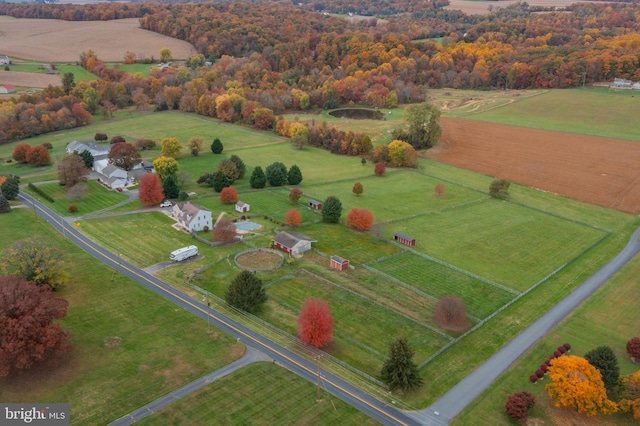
208	320
318	395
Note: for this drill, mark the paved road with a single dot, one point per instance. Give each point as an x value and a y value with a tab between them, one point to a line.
462	394
439	413
381	412
252	355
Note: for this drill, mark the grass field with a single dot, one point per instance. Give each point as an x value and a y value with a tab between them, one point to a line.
130	346
260	393
133	68
79	73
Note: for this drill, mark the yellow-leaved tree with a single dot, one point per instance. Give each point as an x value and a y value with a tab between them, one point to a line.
165	166
578	384
402	154
171	147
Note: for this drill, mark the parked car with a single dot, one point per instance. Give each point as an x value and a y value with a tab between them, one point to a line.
166	203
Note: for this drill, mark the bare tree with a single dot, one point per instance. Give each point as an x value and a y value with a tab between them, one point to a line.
451	313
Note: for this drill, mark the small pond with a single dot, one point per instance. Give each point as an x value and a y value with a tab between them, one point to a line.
358	114
247	226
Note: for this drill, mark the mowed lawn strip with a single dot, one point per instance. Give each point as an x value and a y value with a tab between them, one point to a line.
394	195
259	394
481	299
357	317
97	198
608	318
500	241
130	346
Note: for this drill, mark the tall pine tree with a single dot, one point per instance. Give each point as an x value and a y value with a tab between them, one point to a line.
399	371
246	292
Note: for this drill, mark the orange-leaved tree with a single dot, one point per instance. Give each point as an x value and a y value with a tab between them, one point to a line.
315	323
630	394
150	191
578	384
360	219
228	195
293	217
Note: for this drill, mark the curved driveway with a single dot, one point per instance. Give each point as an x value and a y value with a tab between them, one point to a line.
440	412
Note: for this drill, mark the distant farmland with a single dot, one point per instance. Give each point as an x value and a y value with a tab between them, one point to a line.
51	40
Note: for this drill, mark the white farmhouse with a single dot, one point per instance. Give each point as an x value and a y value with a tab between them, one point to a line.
192	217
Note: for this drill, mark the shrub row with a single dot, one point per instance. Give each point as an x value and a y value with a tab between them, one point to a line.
540	372
41	193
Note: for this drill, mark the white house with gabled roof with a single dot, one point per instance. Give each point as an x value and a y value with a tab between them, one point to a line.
192	217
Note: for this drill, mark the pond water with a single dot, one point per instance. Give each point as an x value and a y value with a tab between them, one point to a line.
247	226
358	114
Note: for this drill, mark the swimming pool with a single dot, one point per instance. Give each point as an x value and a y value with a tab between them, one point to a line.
247	226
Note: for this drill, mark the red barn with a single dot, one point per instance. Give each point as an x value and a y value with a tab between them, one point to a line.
339	263
292	243
401	238
315	204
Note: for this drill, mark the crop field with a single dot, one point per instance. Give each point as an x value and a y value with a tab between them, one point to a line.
66	40
482	7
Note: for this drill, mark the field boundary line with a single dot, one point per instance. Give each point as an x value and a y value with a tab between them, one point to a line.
375	302
430	212
559	216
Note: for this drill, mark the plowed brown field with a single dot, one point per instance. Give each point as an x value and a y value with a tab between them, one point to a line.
596	170
475	7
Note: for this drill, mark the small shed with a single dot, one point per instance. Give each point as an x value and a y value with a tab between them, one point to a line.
242	207
315	204
339	263
404	239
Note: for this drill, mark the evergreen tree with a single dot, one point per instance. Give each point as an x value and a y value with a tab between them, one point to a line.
398	370
10	188
170	187
220	181
294	176
216	146
242	168
331	210
604	359
87	157
5	207
258	179
246	292
276	174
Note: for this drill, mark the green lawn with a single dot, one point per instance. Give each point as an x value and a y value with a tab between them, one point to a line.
79	73
98	197
512	245
130	346
259	394
133	68
609	318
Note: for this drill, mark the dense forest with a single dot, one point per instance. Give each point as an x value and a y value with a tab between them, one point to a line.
290	55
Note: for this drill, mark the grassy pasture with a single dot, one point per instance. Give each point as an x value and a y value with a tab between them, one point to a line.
97	198
260	393
133	68
506	243
481	298
394	195
608	318
361	327
79	73
591	112
130	346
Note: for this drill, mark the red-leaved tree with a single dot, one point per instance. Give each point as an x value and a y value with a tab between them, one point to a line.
38	156
440	190
293	217
20	152
224	230
379	169
360	219
228	195
28	334
124	155
358	188
295	194
150	191
518	406
633	347
315	323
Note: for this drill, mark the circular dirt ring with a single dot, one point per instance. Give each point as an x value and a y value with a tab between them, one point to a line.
260	259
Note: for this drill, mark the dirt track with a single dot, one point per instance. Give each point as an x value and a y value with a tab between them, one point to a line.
596	170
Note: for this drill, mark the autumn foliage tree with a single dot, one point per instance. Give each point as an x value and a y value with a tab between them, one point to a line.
165	166
379	169
28	334
224	230
38	156
20	152
295	194
578	384
150	191
228	195
518	406
293	217
633	348
357	188
35	260
315	323
71	170
630	394
171	147
440	190
399	371
360	219
451	313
